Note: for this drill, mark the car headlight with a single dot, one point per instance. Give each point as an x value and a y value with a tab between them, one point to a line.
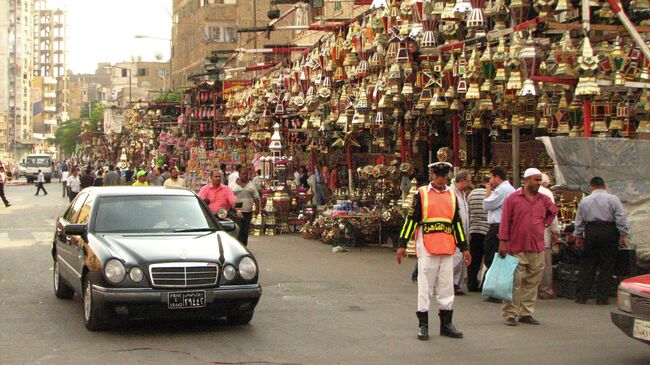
623	301
229	272
136	274
114	271
247	268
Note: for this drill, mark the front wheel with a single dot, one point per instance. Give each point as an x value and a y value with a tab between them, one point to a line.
61	289
240	318
95	315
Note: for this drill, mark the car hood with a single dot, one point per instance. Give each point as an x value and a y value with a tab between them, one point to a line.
638	284
152	248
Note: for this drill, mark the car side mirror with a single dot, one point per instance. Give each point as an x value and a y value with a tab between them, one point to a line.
227	226
76	229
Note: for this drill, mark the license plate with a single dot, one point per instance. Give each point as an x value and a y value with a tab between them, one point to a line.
641	329
189	299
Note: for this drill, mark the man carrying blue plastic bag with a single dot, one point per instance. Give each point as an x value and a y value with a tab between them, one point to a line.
526	213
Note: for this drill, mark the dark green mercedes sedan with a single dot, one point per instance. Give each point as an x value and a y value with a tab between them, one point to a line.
151	253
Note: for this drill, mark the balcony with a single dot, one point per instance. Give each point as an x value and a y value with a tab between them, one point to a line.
50	108
50	122
49	94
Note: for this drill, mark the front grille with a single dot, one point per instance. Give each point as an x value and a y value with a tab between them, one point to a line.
640	306
184	274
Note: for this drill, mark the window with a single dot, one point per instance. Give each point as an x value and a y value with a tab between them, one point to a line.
73	211
230	1
338	6
84	212
317	8
220	34
230	35
150	214
213	33
143	72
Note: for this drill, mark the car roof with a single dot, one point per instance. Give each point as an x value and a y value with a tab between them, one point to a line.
136	191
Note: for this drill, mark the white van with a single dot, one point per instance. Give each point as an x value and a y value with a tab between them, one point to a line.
37	162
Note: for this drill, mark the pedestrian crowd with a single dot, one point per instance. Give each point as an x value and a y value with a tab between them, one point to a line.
455	226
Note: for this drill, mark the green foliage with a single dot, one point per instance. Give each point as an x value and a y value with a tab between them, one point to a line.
95	116
168	96
67	135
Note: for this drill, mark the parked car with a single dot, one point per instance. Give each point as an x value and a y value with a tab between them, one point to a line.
151	252
633	313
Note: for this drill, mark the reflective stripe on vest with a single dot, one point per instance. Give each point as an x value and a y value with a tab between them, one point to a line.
437	214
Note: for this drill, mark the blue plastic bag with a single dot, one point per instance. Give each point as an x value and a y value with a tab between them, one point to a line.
500	277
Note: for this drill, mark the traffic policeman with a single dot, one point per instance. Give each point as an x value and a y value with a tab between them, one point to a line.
436	222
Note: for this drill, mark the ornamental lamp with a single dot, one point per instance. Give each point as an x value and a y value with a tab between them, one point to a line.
618	59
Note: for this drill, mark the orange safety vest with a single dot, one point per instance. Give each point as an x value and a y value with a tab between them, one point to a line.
437	215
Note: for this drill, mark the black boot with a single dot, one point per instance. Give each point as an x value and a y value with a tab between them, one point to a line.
446	327
423	325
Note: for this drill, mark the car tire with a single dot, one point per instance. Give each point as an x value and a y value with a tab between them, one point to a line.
61	289
240	318
94	314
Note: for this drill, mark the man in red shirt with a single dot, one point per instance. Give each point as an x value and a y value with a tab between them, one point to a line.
526	213
217	195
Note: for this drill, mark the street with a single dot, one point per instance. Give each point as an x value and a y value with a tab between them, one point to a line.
317	307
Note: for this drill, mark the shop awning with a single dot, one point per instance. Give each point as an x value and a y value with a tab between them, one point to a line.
26	141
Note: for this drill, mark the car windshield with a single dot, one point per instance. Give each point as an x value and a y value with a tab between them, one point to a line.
38	161
156	213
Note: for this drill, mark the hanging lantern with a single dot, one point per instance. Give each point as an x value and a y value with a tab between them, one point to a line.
588	64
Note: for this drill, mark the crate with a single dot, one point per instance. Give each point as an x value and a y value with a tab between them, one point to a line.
567	272
569	289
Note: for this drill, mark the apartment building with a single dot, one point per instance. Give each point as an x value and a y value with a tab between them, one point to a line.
49	64
16	68
137	80
202	26
85	89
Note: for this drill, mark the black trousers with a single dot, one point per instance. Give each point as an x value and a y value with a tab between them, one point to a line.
2	194
599	255
65	188
245	227
72	195
39	187
491	244
476	250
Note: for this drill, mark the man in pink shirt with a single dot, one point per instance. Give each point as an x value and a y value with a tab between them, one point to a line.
217	195
526	213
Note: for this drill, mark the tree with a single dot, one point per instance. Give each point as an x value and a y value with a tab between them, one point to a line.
67	135
95	116
168	96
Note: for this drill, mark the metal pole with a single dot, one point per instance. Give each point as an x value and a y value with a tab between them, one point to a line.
586	117
515	156
171	50
454	138
129	86
255	25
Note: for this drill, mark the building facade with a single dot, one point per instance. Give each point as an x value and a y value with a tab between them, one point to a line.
137	80
16	70
85	89
49	64
202	26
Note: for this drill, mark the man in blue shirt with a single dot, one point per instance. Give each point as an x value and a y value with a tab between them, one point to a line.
601	225
496	192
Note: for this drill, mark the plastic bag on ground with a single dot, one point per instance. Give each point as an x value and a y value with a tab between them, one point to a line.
500	277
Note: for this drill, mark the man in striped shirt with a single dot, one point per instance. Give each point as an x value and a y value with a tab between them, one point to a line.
478	228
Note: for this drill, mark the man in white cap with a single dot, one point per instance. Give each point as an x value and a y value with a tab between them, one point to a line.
435	218
526	213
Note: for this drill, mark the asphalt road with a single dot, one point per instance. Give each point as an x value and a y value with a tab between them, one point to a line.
317	307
